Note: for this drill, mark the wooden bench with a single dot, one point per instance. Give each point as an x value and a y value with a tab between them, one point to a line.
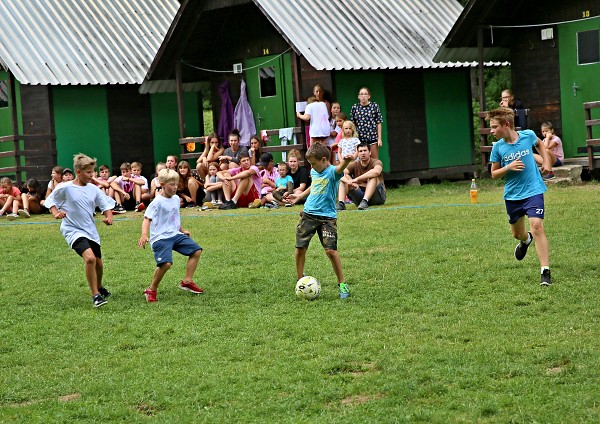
591	142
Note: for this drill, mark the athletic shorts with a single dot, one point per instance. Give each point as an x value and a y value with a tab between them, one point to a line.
163	249
325	227
246	199
533	207
82	244
378	197
557	163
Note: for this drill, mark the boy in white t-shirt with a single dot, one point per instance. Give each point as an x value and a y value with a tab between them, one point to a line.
74	202
163	222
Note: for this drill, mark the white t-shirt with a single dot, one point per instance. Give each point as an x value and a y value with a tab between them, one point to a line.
145	186
319	119
79	203
164	214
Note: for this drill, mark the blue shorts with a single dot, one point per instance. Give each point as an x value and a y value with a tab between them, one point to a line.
163	249
533	207
557	163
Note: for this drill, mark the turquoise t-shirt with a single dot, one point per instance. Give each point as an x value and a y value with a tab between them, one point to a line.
519	184
323	192
281	182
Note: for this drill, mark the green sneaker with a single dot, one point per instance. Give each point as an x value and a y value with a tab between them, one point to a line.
344	291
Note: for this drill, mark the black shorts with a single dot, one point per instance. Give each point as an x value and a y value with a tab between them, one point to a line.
82	244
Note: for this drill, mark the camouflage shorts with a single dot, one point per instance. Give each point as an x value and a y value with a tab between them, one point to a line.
308	225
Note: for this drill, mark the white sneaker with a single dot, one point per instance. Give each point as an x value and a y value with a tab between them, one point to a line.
24	213
12	216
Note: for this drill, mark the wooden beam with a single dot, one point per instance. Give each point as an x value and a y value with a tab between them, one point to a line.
180	100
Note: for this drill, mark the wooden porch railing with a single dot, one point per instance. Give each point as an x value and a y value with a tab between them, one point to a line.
298	131
591	142
26	155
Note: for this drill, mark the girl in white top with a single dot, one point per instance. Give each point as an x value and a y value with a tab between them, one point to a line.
317	114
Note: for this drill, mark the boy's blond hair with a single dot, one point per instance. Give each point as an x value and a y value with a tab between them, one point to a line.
125	165
5	180
168	176
318	151
136	165
503	115
81	161
295	153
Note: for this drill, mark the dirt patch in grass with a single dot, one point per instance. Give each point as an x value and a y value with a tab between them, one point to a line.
360	399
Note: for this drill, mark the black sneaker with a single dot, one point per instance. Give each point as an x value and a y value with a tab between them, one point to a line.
545	281
228	204
98	301
521	249
277	195
119	209
341	206
363	206
104	292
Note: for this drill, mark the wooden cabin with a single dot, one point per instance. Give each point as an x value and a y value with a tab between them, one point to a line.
282	49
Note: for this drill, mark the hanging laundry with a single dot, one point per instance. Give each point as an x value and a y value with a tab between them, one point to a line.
243	117
226	116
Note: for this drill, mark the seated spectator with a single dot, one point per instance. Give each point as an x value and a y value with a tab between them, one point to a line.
242	185
188	186
55	179
172	162
136	172
155	184
31	199
8	199
213	187
67	175
508	100
126	190
269	174
213	148
554	147
300	176
362	181
283	185
103	179
255	150
232	156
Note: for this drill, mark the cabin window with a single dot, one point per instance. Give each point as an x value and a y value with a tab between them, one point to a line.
3	94
266	77
588	47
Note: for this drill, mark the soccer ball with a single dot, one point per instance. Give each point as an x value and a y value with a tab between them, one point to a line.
308	288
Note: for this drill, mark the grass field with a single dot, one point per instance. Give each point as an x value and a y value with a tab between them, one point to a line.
443	324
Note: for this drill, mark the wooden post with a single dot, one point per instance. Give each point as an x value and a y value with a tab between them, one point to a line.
180	100
482	107
12	87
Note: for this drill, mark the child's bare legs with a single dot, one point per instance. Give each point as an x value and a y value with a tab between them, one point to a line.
539	160
336	262
242	188
191	266
92	264
300	261
137	193
228	190
159	273
193	186
539	235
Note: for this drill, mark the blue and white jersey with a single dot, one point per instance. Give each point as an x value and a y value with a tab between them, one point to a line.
519	184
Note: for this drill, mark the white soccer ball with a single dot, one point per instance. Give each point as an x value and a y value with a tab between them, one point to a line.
308	288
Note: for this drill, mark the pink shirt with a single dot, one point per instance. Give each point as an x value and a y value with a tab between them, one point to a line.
273	176
256	177
15	192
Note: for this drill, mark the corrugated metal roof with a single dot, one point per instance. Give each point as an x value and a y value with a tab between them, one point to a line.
365	34
61	42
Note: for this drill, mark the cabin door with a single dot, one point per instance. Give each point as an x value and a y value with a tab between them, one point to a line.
579	54
269	84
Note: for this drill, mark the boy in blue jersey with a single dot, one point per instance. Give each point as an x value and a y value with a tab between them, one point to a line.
513	156
320	214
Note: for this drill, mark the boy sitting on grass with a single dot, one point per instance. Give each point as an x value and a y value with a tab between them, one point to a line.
78	200
163	222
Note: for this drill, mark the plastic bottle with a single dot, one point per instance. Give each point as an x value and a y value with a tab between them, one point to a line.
473	191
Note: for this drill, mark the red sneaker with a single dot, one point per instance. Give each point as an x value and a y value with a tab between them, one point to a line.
140	207
150	295
191	287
